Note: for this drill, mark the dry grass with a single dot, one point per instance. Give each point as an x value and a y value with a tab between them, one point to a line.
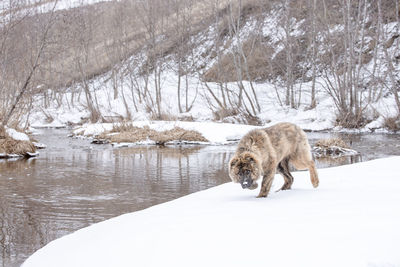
179	134
133	134
123	127
330	142
11	146
392	123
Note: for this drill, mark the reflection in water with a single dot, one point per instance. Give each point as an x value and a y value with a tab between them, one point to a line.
73	184
370	146
323	162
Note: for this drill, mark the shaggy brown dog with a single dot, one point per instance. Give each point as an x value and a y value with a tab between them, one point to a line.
262	152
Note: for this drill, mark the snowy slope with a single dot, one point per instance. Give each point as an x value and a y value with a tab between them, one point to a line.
352	220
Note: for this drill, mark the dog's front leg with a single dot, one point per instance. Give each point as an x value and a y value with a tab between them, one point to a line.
266	184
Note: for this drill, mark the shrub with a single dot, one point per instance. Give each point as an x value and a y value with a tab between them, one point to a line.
392	123
351	121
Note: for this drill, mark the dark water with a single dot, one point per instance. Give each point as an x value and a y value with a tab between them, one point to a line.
73	184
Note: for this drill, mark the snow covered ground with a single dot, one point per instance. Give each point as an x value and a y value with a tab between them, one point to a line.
320	118
352	220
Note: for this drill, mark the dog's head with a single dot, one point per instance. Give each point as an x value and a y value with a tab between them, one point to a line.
245	169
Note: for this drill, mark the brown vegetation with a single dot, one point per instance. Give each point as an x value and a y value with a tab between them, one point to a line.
350	120
329	142
392	124
9	146
133	134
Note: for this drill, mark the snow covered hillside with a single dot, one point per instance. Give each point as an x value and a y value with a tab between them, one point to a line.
200	80
319	65
351	219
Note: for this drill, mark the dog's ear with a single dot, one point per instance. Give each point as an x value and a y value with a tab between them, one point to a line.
251	140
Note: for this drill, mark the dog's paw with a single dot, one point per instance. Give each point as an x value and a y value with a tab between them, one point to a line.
262	195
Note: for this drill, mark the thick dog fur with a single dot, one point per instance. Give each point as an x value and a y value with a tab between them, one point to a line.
262	152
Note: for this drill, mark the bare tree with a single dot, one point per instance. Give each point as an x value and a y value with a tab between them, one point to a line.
155	21
240	62
184	51
37	54
314	49
342	75
82	50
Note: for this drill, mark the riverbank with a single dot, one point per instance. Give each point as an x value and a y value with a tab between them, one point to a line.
14	144
63	113
350	220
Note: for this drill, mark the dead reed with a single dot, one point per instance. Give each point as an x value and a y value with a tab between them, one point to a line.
133	134
330	142
11	146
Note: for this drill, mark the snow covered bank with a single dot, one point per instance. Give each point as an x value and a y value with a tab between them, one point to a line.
352	220
318	119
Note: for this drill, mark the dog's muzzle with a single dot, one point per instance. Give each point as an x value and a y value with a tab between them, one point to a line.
246	182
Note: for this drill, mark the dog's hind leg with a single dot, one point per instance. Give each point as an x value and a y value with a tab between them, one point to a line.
307	163
313	173
283	168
